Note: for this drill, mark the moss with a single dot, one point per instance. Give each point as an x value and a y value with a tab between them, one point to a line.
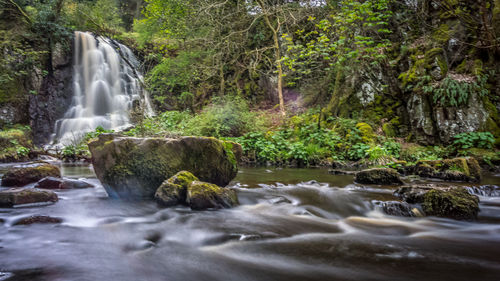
15	143
456	203
367	134
174	190
442	33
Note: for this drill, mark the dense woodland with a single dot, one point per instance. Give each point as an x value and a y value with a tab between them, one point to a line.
295	82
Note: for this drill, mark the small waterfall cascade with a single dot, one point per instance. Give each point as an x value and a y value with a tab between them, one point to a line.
106	87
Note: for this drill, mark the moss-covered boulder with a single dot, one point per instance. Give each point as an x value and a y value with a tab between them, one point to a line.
202	195
457	169
136	167
384	176
174	190
24	174
19	196
442	201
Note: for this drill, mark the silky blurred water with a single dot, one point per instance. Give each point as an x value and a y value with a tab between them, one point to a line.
293	224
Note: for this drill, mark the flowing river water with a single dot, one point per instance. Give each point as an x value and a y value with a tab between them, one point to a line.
292	224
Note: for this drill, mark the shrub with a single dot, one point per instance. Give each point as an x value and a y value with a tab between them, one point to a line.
474	140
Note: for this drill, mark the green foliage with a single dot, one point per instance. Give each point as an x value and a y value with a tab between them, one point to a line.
474	140
358	151
80	150
227	117
452	92
352	34
100	16
15	143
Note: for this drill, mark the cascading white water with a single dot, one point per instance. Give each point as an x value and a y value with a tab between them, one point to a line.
105	85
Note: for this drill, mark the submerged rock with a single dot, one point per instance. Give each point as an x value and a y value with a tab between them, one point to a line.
173	191
29	173
49	183
445	201
457	169
136	167
396	208
37	219
378	176
57	183
74	184
202	195
18	196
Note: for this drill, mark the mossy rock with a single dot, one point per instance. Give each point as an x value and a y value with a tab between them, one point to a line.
455	203
134	168
383	176
202	195
174	190
29	173
442	201
456	169
19	196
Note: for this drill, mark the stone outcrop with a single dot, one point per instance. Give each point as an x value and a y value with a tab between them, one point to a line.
24	174
136	167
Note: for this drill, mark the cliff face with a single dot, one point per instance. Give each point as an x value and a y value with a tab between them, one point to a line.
54	96
443	75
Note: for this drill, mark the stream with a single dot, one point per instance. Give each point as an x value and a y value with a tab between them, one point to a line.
292	224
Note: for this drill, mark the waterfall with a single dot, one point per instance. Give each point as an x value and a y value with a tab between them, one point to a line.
105	87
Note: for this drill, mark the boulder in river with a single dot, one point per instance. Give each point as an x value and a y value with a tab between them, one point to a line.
18	196
58	183
383	176
203	195
28	173
173	191
442	201
135	167
185	188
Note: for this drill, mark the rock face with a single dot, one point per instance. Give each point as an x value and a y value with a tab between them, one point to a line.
457	169
53	97
136	167
19	196
185	188
25	174
202	195
448	202
378	176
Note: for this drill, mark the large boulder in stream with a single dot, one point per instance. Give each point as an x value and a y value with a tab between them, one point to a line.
383	176
28	173
442	201
20	196
135	167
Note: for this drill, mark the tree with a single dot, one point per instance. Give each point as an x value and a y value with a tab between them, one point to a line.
352	36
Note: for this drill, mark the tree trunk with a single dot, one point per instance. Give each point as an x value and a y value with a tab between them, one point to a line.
277	54
334	100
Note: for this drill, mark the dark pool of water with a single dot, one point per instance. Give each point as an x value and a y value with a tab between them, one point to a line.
293	224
